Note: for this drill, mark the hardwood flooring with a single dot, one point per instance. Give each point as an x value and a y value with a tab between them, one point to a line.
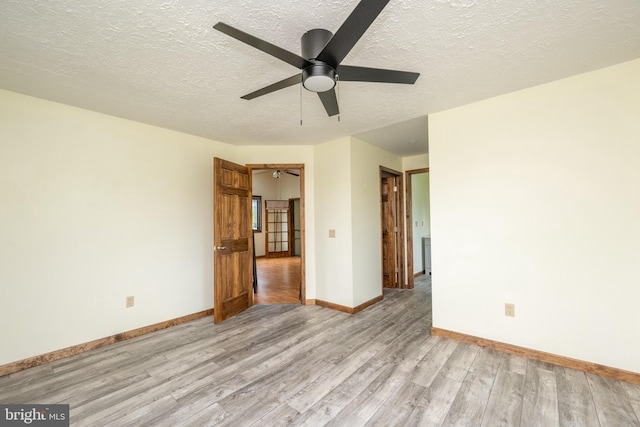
278	280
290	364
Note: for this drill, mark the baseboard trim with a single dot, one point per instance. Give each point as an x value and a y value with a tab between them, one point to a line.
367	304
333	306
350	310
418	274
310	302
32	362
567	362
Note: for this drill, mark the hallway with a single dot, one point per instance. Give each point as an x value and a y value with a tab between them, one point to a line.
278	280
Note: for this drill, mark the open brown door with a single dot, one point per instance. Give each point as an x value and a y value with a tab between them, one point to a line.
389	267
392	236
232	261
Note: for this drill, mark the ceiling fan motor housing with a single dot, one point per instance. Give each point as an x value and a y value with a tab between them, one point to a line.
319	77
313	41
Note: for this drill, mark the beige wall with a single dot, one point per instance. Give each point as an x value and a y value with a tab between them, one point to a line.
94	208
347	185
534	201
333	212
366	217
420	161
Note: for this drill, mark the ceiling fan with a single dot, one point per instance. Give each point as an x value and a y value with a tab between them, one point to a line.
322	55
277	173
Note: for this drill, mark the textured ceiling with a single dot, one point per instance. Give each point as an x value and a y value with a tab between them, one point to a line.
160	62
404	138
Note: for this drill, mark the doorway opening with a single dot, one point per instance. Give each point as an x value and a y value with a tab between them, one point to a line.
418	225
392	212
279	240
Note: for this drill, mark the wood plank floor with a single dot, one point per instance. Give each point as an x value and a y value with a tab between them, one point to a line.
278	280
289	364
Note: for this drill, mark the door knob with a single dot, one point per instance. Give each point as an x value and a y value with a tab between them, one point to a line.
221	248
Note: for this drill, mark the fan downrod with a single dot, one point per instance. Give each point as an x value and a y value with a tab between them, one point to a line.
319	77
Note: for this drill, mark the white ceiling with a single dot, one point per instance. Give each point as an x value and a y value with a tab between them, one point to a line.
160	62
405	138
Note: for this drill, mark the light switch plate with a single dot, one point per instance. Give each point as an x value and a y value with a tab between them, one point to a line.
509	310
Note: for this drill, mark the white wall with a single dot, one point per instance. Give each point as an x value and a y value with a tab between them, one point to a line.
419	161
366	217
261	186
535	201
94	208
333	212
348	201
288	186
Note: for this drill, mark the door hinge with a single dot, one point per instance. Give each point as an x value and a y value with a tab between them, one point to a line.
395	189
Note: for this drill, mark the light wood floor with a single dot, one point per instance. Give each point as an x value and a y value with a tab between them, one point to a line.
289	364
278	280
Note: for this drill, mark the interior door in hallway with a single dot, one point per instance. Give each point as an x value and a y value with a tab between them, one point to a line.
392	237
232	259
294	227
277	241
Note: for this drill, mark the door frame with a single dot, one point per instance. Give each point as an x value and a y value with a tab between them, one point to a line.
399	206
300	166
409	224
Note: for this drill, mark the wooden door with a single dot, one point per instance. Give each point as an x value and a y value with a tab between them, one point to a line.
392	231
233	274
389	241
294	227
277	233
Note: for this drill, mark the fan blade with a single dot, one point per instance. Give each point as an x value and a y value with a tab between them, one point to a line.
266	47
329	101
292	173
364	74
274	87
351	30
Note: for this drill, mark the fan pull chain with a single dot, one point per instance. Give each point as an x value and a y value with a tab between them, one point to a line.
300	104
338	98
